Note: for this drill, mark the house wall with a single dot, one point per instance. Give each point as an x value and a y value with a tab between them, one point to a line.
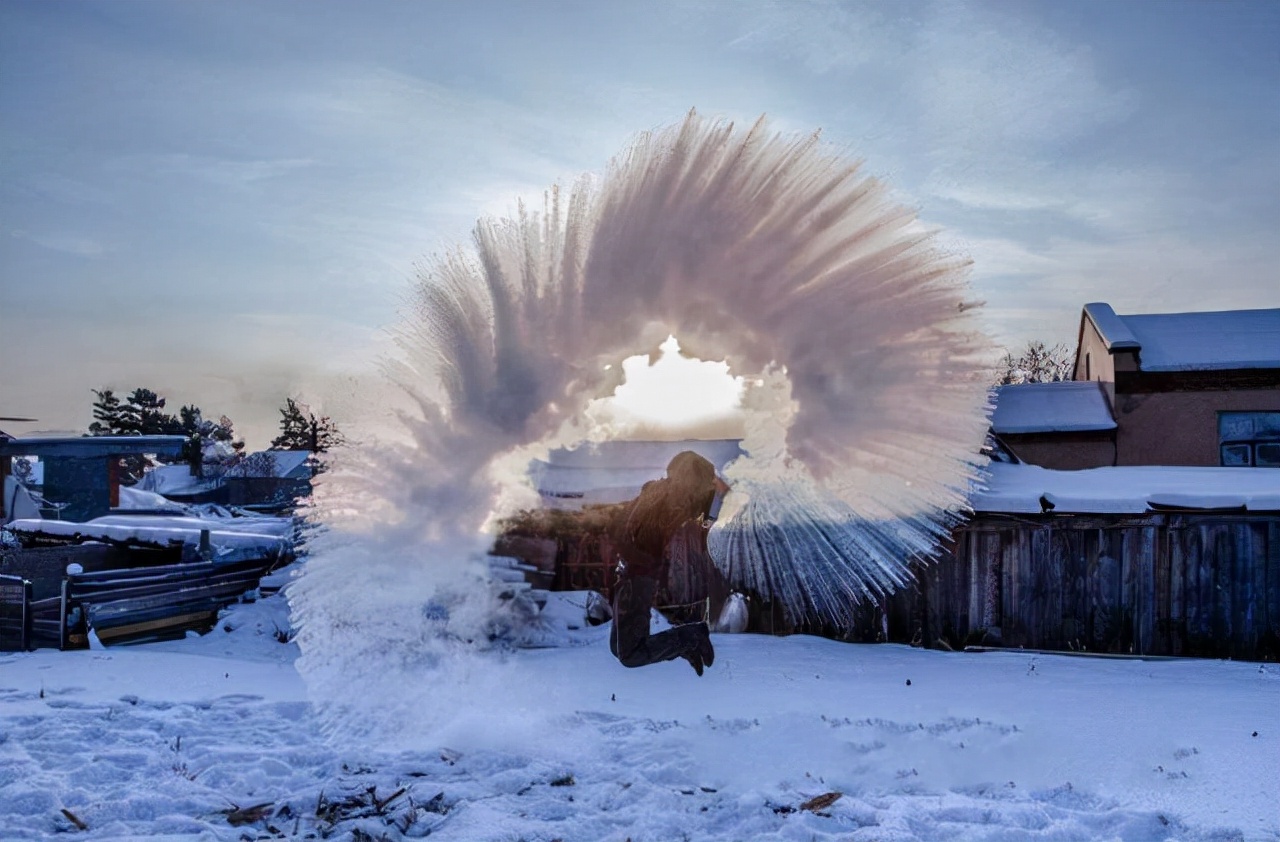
83	484
1180	427
1063	451
1094	362
1092	354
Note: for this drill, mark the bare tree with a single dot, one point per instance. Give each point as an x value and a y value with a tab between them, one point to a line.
1038	363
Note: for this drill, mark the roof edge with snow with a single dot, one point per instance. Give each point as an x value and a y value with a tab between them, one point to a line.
1114	332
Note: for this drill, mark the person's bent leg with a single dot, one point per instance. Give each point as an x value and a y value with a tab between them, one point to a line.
632	600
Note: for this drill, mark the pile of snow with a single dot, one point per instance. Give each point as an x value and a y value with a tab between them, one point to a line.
19	502
1025	489
137	498
176	481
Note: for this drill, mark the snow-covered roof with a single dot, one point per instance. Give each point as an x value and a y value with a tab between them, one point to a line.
283	463
1126	490
1110	327
614	471
92	446
175	480
1208	341
1062	407
137	498
1215	341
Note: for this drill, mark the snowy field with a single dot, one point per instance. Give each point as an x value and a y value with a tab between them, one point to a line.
784	738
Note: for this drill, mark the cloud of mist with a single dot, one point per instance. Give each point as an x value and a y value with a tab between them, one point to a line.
864	366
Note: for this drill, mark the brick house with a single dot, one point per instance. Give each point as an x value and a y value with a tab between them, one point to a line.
1194	389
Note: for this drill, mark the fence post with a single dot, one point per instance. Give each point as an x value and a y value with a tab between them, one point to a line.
26	616
62	614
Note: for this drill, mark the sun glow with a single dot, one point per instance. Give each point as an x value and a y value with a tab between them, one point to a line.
674	396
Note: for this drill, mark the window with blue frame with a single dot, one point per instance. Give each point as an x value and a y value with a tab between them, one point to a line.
1249	439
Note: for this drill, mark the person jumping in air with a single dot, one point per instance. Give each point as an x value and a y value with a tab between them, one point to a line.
640	535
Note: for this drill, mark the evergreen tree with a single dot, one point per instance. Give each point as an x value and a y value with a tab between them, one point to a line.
210	444
302	429
107	413
145	415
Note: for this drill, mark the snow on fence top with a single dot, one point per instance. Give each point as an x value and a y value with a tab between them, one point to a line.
1025	489
1062	407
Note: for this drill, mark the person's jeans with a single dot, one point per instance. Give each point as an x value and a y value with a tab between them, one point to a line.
630	640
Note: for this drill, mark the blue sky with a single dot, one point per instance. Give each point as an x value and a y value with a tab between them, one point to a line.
224	201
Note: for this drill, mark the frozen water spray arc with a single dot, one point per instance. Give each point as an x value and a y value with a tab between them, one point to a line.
866	366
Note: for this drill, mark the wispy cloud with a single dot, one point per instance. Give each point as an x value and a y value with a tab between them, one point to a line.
72	244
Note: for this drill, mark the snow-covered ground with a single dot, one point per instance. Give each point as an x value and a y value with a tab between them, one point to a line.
794	738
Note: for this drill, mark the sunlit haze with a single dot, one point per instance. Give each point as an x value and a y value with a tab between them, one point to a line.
673	396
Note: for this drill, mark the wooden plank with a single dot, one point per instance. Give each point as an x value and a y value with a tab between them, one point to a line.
226	592
1053	587
1150	603
991	587
175	623
1075	603
1217	593
1013	559
1117	633
960	589
1160	564
246	578
1272	598
1128	588
976	583
103	579
1044	619
1177	588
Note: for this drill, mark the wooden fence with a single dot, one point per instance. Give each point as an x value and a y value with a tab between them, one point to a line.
135	604
1155	584
15	614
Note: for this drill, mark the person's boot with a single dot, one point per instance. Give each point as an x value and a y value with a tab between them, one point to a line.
705	650
698	652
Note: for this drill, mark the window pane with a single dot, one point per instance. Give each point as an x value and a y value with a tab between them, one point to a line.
1234	455
1235	425
1266	425
1268	455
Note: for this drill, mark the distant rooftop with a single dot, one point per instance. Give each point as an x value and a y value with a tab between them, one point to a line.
91	446
614	471
1213	341
1065	407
